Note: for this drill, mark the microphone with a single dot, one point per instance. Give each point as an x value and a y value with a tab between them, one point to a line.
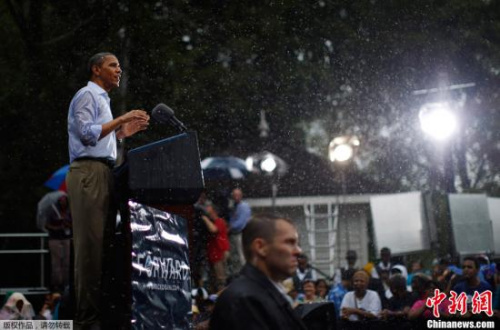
164	114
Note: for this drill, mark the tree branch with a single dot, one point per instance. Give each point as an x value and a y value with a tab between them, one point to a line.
66	35
480	173
19	19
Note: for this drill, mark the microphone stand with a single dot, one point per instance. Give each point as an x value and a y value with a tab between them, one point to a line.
327	277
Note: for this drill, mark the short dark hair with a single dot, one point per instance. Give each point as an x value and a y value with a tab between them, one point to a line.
322	280
351	254
398	282
97	59
421	282
260	226
347	274
385	250
474	260
304	282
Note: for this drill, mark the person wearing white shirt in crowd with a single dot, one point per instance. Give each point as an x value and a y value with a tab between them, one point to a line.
360	304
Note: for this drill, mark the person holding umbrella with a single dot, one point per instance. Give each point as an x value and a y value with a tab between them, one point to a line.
93	135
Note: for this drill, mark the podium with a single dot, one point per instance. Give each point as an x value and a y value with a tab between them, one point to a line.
318	316
166	172
164	181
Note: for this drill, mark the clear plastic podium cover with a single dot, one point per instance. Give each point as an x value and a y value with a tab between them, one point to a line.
161	279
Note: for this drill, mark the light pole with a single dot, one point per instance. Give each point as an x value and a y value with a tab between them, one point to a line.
271	165
340	151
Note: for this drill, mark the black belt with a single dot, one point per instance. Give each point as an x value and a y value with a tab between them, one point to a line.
106	161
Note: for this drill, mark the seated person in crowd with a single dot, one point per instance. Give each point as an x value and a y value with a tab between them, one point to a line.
487	270
416	268
203	319
337	293
395	270
309	296
401	301
322	288
50	308
424	287
445	272
17	307
360	304
470	283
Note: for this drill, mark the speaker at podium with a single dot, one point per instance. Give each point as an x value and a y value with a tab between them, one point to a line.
166	172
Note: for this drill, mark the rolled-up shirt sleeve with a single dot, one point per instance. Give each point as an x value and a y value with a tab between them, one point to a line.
85	114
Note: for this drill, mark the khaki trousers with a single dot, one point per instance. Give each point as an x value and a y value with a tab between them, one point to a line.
89	184
236	255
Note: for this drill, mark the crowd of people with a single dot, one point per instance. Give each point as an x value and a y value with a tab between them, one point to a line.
381	294
225	255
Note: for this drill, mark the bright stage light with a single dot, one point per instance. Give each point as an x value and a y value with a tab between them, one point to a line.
437	120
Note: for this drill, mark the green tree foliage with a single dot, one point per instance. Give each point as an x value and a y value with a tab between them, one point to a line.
349	66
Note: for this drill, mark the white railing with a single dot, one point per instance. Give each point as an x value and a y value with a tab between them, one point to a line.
42	251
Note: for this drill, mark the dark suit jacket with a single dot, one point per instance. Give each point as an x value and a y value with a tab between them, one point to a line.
252	302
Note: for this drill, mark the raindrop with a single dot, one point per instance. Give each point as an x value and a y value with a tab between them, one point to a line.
385	132
121	32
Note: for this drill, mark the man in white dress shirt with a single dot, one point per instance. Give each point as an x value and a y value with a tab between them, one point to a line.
92	151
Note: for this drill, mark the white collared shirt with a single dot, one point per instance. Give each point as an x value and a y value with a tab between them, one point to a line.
88	111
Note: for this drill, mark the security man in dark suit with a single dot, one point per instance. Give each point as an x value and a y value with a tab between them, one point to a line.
257	299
